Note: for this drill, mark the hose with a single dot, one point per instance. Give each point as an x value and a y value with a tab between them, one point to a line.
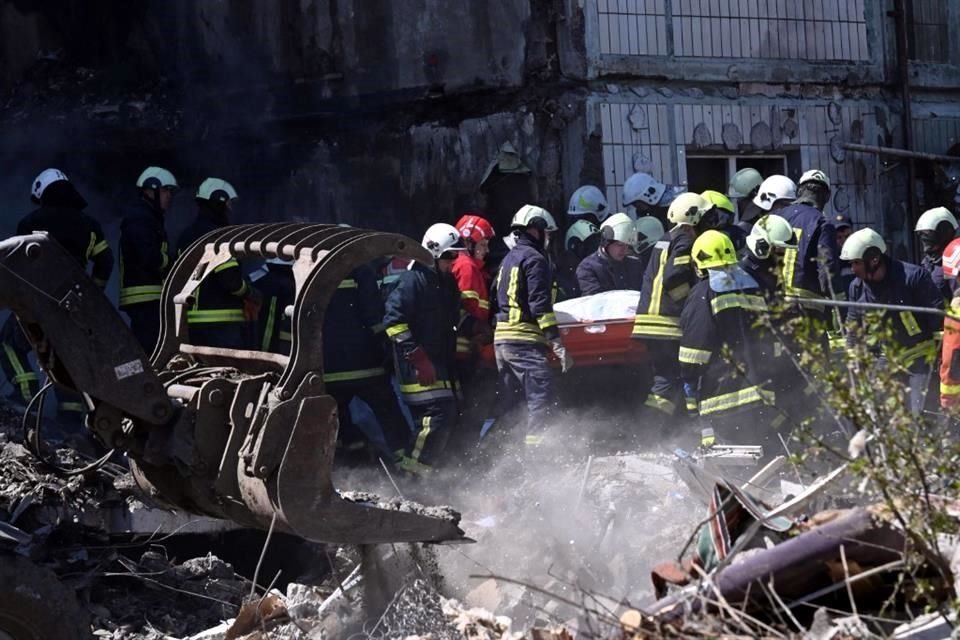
31	438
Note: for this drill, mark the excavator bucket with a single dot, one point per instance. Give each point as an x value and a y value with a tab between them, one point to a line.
273	446
238	434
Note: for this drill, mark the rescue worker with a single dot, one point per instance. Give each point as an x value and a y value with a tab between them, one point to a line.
274	280
950	350
225	304
885	280
649	232
721	216
814	189
474	330
145	255
812	269
60	214
935	229
588	203
775	193
768	242
666	283
743	187
643	195
582	239
843	228
612	267
420	320
722	363
526	325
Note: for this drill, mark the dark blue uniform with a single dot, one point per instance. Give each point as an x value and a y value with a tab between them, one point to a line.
904	284
725	365
61	216
144	264
598	273
353	351
667	281
216	318
422	311
813	267
935	269
525	325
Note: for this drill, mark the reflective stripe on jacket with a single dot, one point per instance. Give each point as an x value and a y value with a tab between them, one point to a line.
950	358
666	284
524	290
720	315
144	256
909	285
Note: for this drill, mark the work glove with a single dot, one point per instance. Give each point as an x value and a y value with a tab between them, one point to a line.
252	302
426	373
566	360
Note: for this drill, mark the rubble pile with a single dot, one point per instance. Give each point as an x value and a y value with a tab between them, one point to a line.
154	598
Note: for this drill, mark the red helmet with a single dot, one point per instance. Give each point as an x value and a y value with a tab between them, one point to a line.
475	228
951	259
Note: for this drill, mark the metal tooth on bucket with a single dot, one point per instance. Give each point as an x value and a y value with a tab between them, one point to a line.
266	454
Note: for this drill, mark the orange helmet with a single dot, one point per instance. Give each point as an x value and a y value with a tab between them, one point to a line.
475	228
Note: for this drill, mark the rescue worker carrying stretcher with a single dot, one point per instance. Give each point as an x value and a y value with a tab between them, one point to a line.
526	325
882	279
612	267
666	283
226	304
420	320
723	363
474	330
145	255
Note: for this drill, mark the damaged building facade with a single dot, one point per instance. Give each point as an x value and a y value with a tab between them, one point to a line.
342	111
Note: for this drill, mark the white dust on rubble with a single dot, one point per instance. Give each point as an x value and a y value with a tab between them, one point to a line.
561	520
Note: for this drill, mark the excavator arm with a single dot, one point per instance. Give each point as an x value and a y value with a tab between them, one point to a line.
243	435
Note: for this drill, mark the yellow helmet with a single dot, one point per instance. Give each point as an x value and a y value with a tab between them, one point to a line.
713	249
718	200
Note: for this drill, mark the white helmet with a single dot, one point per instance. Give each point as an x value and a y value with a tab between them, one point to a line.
46	178
530	215
859	242
642	187
769	232
156	178
216	190
588	199
775	188
619	228
649	231
815	175
932	218
441	238
687	209
580	230
743	182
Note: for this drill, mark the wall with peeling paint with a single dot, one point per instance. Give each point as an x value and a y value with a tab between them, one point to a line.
778	79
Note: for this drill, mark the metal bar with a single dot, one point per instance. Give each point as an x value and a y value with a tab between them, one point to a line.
844	304
900	153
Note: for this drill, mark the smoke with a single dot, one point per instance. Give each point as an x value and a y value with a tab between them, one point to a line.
581	513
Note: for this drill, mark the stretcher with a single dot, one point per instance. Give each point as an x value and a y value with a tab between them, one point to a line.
596	330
